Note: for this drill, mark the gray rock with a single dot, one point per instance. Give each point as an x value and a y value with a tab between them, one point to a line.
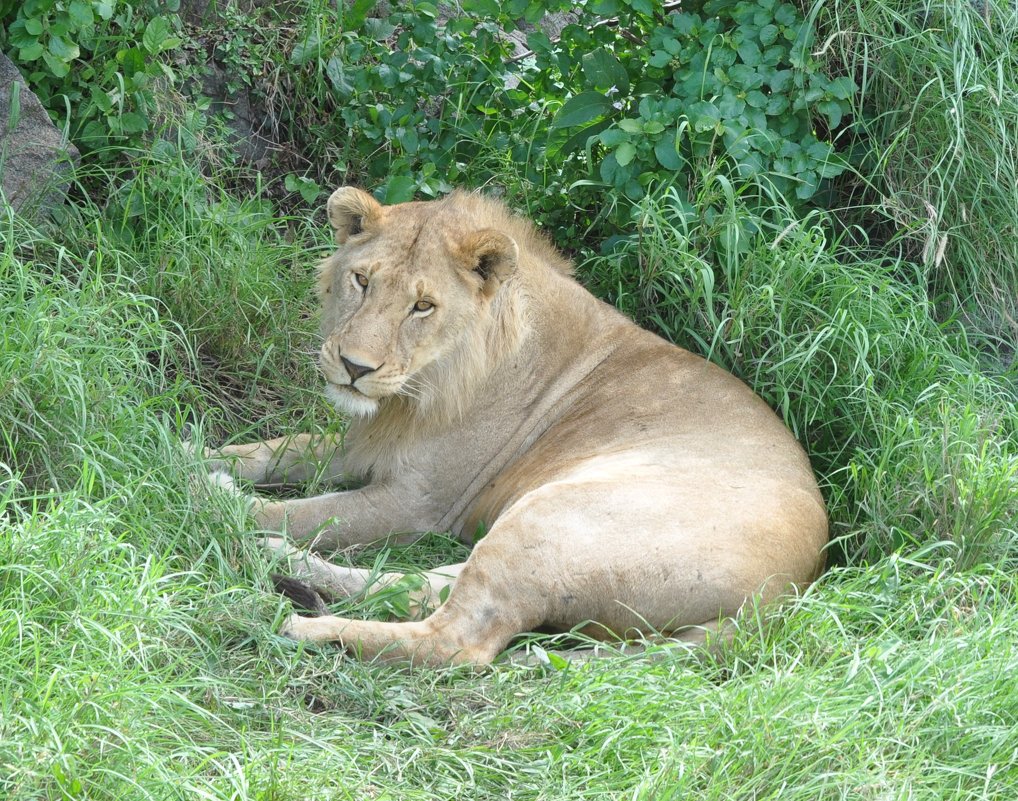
207	11
35	161
250	121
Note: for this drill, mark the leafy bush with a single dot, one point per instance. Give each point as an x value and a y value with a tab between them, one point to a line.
419	104
94	63
404	101
736	83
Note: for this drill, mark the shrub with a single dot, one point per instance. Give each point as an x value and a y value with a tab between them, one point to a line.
621	99
737	83
93	63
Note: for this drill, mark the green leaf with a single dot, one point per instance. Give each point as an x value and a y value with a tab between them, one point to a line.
306	50
399	189
832	110
613	137
768	34
34	26
100	99
481	8
133	122
132	59
703	116
63	49
819	150
659	59
581	138
745	77
786	15
807	186
778	104
534	12
56	66
833	167
309	190
685	23
381	29
610	169
780	80
356	13
104	8
337	76
625	153
750	54
60	25
842	88
156	33
18	36
731	105
80	13
31	52
629	125
582	108
667	154
604	71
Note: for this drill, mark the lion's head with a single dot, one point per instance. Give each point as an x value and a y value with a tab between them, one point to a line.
417	300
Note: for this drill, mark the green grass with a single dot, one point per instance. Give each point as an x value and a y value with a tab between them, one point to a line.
139	659
935	136
138	654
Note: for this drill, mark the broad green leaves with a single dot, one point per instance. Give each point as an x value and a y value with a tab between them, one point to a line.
158	36
83	56
736	83
582	108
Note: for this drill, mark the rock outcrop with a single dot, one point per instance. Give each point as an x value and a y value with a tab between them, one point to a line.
35	161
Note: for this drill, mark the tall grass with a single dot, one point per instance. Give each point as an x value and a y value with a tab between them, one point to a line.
227	273
84	356
934	130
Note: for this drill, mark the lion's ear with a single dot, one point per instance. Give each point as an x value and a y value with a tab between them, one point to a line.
352	211
491	254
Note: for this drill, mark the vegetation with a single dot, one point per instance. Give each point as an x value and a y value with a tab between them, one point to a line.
171	298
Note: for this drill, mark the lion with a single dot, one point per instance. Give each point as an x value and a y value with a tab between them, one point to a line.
625	486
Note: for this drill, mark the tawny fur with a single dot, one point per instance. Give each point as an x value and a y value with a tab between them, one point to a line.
625	484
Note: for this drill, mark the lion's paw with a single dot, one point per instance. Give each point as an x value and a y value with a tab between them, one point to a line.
296	627
224	481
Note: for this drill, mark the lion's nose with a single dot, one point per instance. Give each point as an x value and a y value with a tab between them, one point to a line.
356	370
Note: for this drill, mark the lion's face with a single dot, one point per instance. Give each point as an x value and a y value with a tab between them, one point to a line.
405	299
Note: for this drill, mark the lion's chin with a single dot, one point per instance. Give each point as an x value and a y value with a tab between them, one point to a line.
350	401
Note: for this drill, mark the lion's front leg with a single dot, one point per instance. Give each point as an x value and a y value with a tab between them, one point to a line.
285	460
339	520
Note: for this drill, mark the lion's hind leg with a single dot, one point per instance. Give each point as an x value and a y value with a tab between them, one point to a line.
445	638
421	593
473	626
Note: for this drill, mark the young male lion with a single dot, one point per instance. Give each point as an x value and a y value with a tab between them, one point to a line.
623	481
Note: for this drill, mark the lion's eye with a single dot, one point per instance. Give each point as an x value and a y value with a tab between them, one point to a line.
361	279
423	306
